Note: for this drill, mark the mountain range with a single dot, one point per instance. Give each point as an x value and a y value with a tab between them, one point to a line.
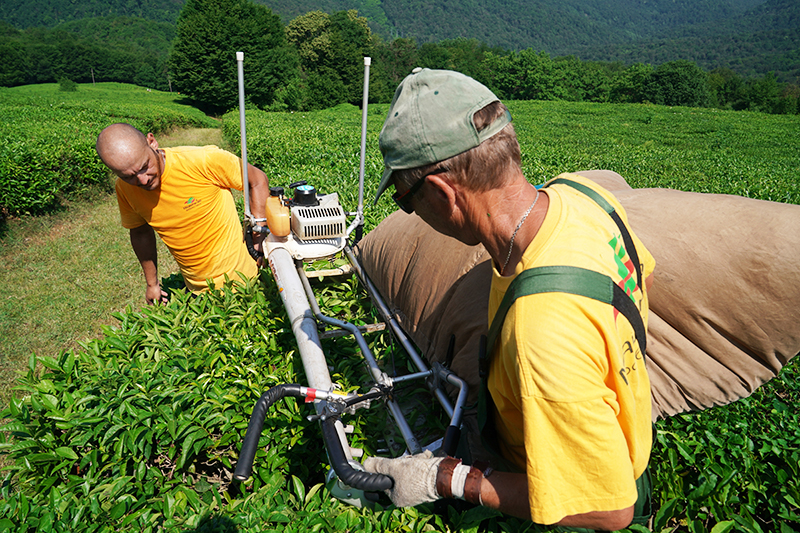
752	37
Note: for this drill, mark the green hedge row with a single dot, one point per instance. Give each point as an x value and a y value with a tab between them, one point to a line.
47	138
141	429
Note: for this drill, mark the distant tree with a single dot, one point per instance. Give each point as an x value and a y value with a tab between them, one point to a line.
726	89
67	85
310	36
145	76
763	94
352	40
678	83
398	58
41	58
523	75
203	58
13	65
331	49
467	56
789	101
630	85
581	81
435	56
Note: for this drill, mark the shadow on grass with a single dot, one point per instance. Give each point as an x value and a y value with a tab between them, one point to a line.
208	109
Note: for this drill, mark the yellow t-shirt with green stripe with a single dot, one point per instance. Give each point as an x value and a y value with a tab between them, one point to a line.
567	377
194	214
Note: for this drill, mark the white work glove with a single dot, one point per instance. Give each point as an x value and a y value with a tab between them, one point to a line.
414	477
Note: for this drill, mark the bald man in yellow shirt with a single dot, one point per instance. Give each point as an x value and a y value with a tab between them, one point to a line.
184	195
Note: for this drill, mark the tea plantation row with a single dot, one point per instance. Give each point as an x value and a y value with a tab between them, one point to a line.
47	138
139	430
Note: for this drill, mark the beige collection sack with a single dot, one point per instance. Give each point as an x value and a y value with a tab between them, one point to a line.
725	304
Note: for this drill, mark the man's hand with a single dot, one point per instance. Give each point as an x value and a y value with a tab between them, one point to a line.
258	244
154	294
414	477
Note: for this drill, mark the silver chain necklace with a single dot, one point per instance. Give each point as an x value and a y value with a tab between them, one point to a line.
513	235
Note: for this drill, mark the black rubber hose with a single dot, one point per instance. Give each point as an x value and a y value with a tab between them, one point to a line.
244	466
366	481
251	249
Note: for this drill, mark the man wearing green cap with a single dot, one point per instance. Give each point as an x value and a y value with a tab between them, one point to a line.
566	400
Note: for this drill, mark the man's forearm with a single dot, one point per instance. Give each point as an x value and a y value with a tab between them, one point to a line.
143	242
508	492
259	191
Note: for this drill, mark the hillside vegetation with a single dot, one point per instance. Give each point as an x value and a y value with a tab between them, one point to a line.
752	37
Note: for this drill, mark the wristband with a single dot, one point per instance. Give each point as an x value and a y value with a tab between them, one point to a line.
472	486
459	480
444	476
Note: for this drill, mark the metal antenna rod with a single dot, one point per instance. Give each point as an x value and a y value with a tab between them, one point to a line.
359	220
367	62
243	135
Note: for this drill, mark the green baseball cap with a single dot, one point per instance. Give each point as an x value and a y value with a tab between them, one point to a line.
430	120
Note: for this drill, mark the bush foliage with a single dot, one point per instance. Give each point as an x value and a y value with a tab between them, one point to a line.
139	430
47	138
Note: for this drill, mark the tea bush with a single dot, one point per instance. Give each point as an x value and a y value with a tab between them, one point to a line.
139	429
47	138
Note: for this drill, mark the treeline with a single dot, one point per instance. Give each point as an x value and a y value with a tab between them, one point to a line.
129	50
315	62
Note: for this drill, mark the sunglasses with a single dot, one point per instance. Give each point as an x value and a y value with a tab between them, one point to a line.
403	201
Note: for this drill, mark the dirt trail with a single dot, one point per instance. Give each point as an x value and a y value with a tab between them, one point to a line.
191	137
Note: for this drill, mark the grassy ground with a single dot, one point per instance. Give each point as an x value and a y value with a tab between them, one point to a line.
65	274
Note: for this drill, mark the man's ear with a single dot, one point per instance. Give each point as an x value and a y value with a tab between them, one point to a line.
443	189
151	140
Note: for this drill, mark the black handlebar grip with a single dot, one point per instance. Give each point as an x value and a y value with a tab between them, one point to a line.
451	437
366	481
251	249
244	466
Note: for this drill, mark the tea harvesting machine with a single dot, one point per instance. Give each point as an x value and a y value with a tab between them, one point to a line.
309	226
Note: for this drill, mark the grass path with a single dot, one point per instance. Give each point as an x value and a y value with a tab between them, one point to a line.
63	275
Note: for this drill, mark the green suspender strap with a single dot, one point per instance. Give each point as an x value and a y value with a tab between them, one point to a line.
571	280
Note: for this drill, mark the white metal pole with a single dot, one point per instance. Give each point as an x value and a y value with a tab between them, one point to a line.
243	135
301	318
365	103
304	328
359	220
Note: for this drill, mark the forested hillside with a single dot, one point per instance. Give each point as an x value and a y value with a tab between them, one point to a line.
28	13
551	25
609	51
750	36
763	39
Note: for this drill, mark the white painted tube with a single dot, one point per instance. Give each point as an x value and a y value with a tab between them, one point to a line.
301	318
359	218
364	105
243	134
304	327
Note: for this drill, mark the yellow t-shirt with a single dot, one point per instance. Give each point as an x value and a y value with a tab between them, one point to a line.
567	377
194	214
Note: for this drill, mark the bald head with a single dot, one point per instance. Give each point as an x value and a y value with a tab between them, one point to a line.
131	155
120	144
